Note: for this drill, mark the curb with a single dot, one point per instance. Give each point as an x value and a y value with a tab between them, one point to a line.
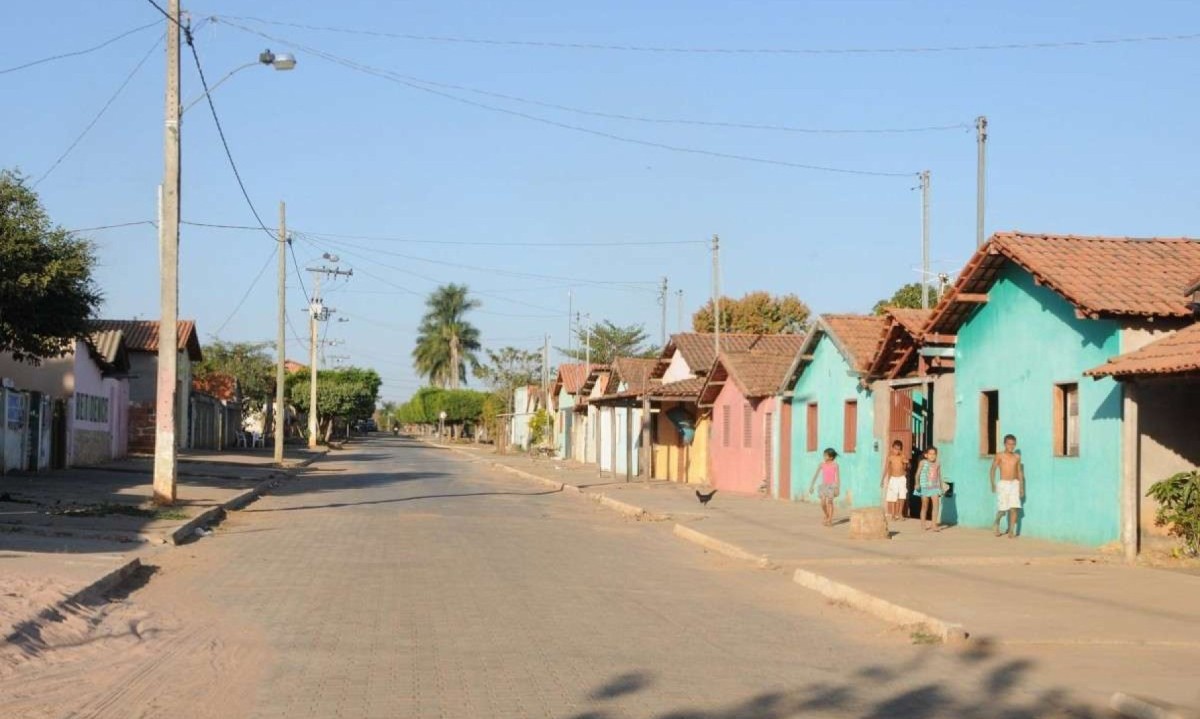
1135	708
720	547
211	516
879	607
622	508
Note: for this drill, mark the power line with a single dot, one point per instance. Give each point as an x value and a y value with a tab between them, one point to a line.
77	53
399	79
299	274
104	109
903	50
217	121
246	295
152	223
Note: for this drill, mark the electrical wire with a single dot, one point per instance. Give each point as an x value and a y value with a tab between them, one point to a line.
112	98
152	223
77	53
398	79
299	274
246	295
902	50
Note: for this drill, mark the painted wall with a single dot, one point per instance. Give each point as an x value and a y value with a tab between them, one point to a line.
52	376
1168	443
677	369
829	382
562	424
1023	341
91	442
675	460
734	466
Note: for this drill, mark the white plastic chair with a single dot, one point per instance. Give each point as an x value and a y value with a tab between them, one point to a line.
256	439
240	438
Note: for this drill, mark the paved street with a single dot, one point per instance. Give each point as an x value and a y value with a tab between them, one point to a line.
399	580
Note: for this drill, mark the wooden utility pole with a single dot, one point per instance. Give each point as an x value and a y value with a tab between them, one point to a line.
165	421
925	239
281	339
980	177
716	285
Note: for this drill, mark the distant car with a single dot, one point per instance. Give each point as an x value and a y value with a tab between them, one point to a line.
370	426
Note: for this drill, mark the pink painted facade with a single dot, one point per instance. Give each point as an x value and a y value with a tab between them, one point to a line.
740	441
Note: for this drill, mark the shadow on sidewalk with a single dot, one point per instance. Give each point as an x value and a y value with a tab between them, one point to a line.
397	500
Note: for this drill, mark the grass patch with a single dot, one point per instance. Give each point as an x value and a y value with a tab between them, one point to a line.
108	509
921	635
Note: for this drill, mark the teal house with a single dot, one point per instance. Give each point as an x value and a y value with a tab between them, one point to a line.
568	380
827	401
1026	318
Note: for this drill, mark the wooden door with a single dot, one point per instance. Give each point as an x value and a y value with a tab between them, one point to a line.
785	451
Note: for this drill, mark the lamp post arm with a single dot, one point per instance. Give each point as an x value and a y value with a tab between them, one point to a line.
218	83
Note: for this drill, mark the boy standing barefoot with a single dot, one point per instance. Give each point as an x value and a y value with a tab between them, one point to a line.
1011	489
894	483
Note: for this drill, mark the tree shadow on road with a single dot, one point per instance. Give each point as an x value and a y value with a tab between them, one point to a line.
978	683
396	500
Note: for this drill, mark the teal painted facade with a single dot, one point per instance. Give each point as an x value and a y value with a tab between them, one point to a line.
1023	342
829	381
565	420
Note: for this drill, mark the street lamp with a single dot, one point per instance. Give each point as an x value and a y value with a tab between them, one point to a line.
167	420
280	61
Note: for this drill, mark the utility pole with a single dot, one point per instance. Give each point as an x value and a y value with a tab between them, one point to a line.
980	177
925	239
662	300
716	289
317	312
570	327
281	339
546	366
679	327
168	245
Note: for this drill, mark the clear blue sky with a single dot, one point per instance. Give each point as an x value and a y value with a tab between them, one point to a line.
1092	140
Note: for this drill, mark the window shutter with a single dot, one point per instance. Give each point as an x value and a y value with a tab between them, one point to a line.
747	426
850	426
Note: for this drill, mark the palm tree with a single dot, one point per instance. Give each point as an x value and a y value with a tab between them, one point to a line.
446	341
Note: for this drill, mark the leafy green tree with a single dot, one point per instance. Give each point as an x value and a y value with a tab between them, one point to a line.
908	296
539	426
446	341
47	294
510	367
347	394
608	341
250	363
759	313
1178	498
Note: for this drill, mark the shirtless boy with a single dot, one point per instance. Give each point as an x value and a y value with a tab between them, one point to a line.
894	483
1011	489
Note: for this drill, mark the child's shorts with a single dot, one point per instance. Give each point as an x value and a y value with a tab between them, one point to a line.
1008	495
827	491
897	489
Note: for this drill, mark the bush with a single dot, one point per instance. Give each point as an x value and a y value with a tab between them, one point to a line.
539	424
1178	500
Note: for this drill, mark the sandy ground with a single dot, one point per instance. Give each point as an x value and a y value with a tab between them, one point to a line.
105	659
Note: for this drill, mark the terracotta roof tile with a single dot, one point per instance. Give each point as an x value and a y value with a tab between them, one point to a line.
756	374
857	336
1099	276
684	389
698	348
1175	354
895	354
571	377
217	384
142	335
634	372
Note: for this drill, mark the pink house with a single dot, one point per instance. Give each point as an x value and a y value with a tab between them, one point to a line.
741	392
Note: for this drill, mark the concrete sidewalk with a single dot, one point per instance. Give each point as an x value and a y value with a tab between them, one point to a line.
69	533
959	582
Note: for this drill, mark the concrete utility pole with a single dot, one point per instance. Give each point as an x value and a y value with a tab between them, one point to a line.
570	327
168	246
317	313
281	339
716	284
679	326
925	239
662	300
980	177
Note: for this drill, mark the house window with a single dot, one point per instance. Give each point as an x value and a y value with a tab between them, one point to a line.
747	426
1066	420
850	426
811	427
989	421
90	408
726	429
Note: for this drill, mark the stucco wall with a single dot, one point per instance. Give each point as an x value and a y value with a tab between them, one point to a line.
1021	343
677	369
733	466
828	381
53	376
